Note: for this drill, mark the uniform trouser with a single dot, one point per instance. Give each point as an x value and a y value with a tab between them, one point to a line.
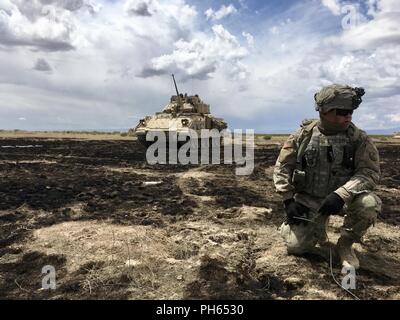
359	215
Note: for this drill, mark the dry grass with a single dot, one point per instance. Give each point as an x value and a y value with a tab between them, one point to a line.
64	135
104	259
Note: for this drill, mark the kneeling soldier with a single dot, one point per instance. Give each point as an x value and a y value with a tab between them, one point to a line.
327	167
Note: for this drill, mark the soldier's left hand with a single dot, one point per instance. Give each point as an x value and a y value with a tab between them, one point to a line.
331	205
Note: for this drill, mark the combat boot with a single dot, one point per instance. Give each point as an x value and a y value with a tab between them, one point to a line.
346	253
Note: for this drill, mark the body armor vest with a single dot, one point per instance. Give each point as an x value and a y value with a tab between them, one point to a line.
326	164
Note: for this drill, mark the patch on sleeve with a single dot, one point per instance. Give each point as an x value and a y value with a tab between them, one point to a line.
373	156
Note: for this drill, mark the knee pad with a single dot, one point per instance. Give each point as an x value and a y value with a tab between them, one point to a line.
363	213
368	205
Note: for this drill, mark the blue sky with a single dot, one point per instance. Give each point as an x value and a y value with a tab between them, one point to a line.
102	64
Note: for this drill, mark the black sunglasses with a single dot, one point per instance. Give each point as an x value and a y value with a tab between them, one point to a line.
341	112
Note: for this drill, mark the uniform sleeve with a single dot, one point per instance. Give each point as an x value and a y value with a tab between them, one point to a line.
367	171
284	167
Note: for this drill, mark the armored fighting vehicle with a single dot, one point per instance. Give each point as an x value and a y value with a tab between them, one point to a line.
182	113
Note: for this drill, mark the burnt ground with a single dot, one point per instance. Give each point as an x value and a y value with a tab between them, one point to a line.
115	227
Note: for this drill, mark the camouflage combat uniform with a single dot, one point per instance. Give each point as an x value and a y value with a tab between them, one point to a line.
311	165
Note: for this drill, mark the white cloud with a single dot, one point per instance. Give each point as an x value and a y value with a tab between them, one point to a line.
333	5
7	6
349	11
138	7
46	25
95	59
200	57
288	69
385	5
249	38
393	117
177	10
98	73
160	21
368	54
223	12
383	29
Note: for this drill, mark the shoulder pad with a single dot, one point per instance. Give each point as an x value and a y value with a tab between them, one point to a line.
308	124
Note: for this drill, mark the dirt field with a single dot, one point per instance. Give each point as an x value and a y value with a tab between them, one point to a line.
115	227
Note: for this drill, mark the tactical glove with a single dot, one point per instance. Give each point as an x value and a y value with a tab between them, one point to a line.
331	205
295	210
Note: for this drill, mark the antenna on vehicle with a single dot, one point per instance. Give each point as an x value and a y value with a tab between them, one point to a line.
176	88
177	92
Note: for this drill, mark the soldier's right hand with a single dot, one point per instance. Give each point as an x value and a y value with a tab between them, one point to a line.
332	204
294	211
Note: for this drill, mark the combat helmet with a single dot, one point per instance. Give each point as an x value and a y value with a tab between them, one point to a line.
337	96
